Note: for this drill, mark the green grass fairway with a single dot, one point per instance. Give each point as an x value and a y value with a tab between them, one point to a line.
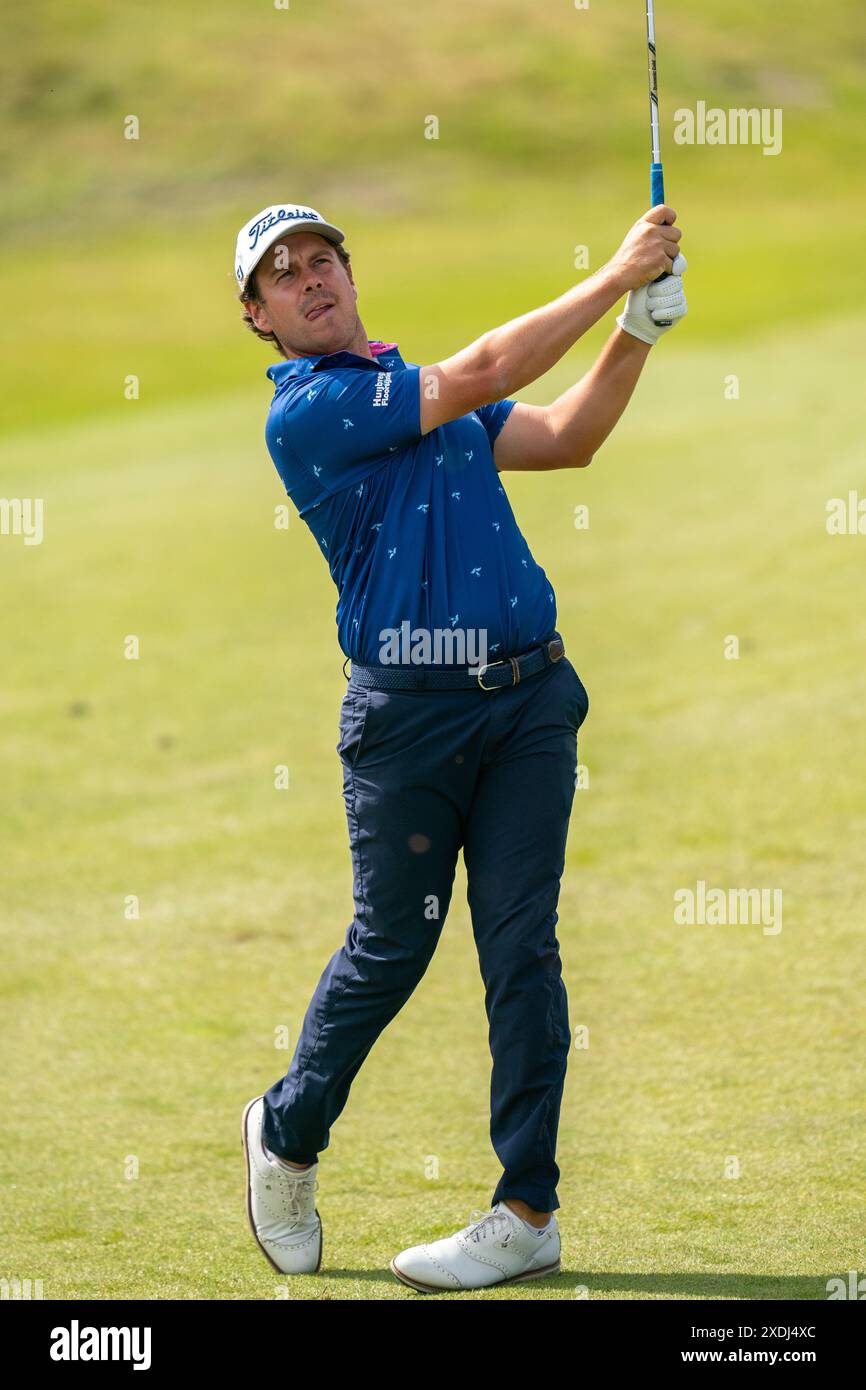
131	1044
155	777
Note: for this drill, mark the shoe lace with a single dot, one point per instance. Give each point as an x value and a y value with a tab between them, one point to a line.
487	1225
296	1189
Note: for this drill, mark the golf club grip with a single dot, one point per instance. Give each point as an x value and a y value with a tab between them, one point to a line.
657	184
657	194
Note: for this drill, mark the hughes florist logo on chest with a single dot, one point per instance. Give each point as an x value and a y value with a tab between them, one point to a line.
382	394
77	1343
439	646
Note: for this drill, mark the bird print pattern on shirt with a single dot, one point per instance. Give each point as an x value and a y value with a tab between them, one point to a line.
476	570
468	480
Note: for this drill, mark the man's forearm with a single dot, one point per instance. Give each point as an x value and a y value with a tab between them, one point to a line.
583	416
525	348
505	359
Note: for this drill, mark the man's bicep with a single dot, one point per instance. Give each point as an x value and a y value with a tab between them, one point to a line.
342	424
527	440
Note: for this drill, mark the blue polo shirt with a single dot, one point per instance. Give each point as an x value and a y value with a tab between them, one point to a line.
415	527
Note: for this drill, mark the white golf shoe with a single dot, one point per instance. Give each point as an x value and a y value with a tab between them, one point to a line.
281	1203
496	1248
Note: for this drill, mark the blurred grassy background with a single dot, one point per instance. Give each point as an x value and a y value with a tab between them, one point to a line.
118	252
155	777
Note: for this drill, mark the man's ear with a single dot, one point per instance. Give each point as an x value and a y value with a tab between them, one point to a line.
259	315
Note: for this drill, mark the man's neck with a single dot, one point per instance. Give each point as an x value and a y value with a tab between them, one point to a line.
359	345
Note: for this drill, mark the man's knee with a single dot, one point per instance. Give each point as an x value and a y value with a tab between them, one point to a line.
397	954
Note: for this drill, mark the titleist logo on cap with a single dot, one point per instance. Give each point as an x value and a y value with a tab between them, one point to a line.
283	215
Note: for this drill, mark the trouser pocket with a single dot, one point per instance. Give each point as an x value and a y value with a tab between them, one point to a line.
353	724
580	706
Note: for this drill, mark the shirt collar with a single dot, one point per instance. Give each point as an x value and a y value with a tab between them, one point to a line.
282	372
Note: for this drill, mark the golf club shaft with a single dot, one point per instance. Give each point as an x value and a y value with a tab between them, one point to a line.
657	175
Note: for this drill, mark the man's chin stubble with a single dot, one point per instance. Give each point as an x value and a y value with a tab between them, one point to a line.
321	350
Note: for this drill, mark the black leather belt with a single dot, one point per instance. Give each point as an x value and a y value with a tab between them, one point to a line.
511	670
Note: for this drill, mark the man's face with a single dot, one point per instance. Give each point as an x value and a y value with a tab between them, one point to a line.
308	296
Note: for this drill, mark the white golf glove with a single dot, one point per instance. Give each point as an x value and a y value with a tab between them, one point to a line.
651	303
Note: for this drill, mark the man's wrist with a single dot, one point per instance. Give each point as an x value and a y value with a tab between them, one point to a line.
632	337
613	280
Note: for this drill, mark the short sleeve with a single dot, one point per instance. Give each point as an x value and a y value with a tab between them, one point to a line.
341	424
493	417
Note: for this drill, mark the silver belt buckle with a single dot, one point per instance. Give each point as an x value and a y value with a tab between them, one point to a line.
515	671
484	668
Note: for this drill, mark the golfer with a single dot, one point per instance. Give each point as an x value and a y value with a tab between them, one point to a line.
459	722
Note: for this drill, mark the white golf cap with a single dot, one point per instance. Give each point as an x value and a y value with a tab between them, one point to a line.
272	224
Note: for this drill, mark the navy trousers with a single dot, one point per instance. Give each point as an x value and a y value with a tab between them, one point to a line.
426	773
